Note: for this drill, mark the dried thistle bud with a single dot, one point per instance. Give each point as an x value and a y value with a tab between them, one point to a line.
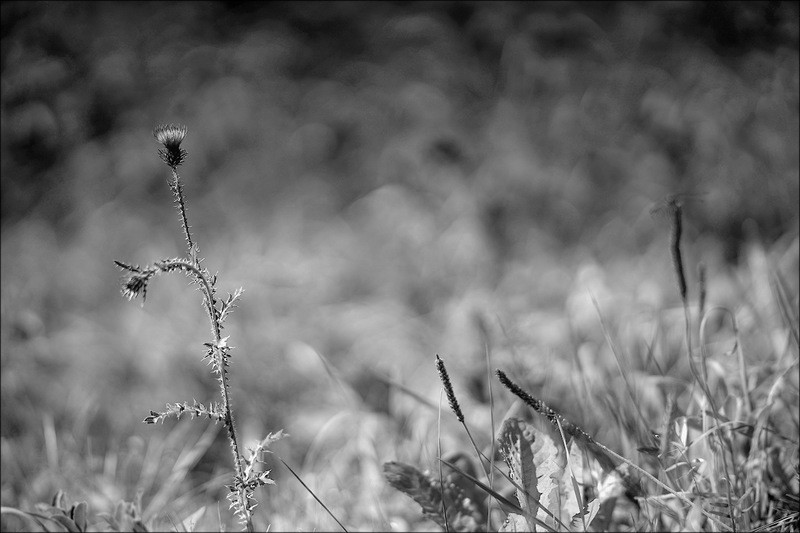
171	136
135	285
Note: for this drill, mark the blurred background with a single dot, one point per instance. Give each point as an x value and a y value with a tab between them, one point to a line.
387	181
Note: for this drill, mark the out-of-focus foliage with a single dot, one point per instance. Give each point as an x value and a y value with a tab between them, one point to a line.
555	112
377	173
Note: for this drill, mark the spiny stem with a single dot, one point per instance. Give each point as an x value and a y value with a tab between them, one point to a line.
208	300
171	136
177	189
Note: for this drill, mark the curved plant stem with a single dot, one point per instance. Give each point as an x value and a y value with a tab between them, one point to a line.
220	364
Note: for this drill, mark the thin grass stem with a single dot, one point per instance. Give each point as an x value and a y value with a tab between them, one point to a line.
313	495
444	377
677	259
488	353
439	451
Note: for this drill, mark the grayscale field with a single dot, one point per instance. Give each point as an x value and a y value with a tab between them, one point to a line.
505	266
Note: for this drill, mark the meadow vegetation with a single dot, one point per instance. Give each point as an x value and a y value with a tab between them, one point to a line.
572	226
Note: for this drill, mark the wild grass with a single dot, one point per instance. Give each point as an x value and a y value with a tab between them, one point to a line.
472	180
720	460
707	445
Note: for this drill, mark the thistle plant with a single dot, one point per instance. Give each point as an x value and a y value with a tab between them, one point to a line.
218	351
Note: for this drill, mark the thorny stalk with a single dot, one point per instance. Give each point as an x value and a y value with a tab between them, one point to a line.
246	479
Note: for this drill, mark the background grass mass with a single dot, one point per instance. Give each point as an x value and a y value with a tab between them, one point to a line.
387	181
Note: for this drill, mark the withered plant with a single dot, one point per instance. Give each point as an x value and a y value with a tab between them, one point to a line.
247	477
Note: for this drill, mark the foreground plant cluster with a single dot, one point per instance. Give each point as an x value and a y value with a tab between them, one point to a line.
723	456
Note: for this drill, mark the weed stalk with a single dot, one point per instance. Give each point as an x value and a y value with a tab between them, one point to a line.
218	351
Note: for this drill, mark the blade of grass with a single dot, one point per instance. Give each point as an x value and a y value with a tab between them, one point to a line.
499	497
678	264
622	372
402	388
312	494
350	396
187	459
487	351
781	294
481	485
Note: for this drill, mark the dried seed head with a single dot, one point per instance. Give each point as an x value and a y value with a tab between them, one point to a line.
672	206
701	281
448	389
675	248
135	285
171	136
541	408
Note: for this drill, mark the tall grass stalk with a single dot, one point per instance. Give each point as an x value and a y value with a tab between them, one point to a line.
439	453
702	380
484	331
456	408
308	489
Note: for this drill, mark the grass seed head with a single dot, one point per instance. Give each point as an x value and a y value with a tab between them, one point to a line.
448	389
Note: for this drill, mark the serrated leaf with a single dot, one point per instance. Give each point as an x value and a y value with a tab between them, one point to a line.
586	471
592	509
546	483
516	443
514	523
550	459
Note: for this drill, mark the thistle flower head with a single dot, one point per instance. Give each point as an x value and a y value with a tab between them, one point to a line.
135	285
136	282
171	136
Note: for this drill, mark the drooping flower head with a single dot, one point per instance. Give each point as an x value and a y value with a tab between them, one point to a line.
171	136
135	285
